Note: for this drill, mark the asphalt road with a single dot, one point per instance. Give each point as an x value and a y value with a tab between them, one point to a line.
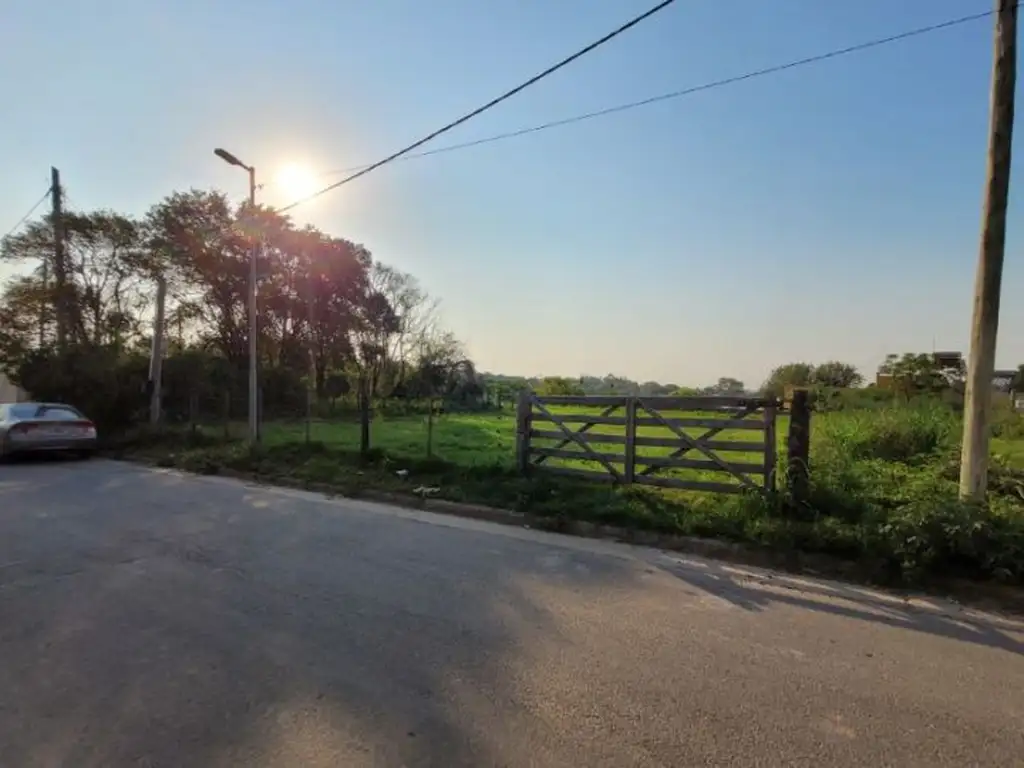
153	619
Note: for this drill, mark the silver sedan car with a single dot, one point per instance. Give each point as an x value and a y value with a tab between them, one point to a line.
36	427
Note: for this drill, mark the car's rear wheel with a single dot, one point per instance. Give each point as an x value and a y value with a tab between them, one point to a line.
83	455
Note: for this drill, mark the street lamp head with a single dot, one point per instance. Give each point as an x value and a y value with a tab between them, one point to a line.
227	157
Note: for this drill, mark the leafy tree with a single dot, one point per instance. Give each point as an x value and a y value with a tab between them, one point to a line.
620	385
916	373
337	273
832	374
656	389
686	392
106	264
837	375
502	389
394	319
205	257
324	305
336	386
415	314
790	374
107	385
110	272
726	386
25	320
557	386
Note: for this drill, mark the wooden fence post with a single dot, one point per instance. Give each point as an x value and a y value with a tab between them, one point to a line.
629	464
799	446
524	413
771	448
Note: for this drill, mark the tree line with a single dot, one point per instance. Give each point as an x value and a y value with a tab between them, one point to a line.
909	374
330	316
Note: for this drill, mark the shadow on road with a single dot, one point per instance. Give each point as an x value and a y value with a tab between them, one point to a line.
147	618
757	590
147	622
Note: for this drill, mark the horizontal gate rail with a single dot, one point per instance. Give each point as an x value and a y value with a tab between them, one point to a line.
556	435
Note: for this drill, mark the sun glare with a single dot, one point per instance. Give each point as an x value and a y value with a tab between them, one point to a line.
296	181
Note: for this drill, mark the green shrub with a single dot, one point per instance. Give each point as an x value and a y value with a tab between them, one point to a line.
828	399
1007	422
107	386
937	534
903	434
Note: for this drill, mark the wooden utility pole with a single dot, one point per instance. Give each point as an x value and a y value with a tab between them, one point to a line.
156	359
988	279
59	260
798	444
43	302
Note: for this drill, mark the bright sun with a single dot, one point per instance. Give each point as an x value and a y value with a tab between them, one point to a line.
296	181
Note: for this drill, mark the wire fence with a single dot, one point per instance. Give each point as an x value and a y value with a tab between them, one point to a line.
412	428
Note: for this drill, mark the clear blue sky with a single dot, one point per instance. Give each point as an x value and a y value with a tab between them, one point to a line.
828	212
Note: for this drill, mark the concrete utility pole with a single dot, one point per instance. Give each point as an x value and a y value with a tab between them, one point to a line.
254	409
254	325
59	260
974	457
311	384
156	358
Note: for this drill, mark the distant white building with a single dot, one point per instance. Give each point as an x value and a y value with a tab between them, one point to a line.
8	392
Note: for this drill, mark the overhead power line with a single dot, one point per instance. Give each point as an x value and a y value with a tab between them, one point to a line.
28	215
492	103
775	69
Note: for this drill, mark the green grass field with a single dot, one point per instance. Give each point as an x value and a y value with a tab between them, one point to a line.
487	439
861	460
471	438
464	439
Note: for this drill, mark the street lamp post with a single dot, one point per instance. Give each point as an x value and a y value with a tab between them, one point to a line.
254	430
